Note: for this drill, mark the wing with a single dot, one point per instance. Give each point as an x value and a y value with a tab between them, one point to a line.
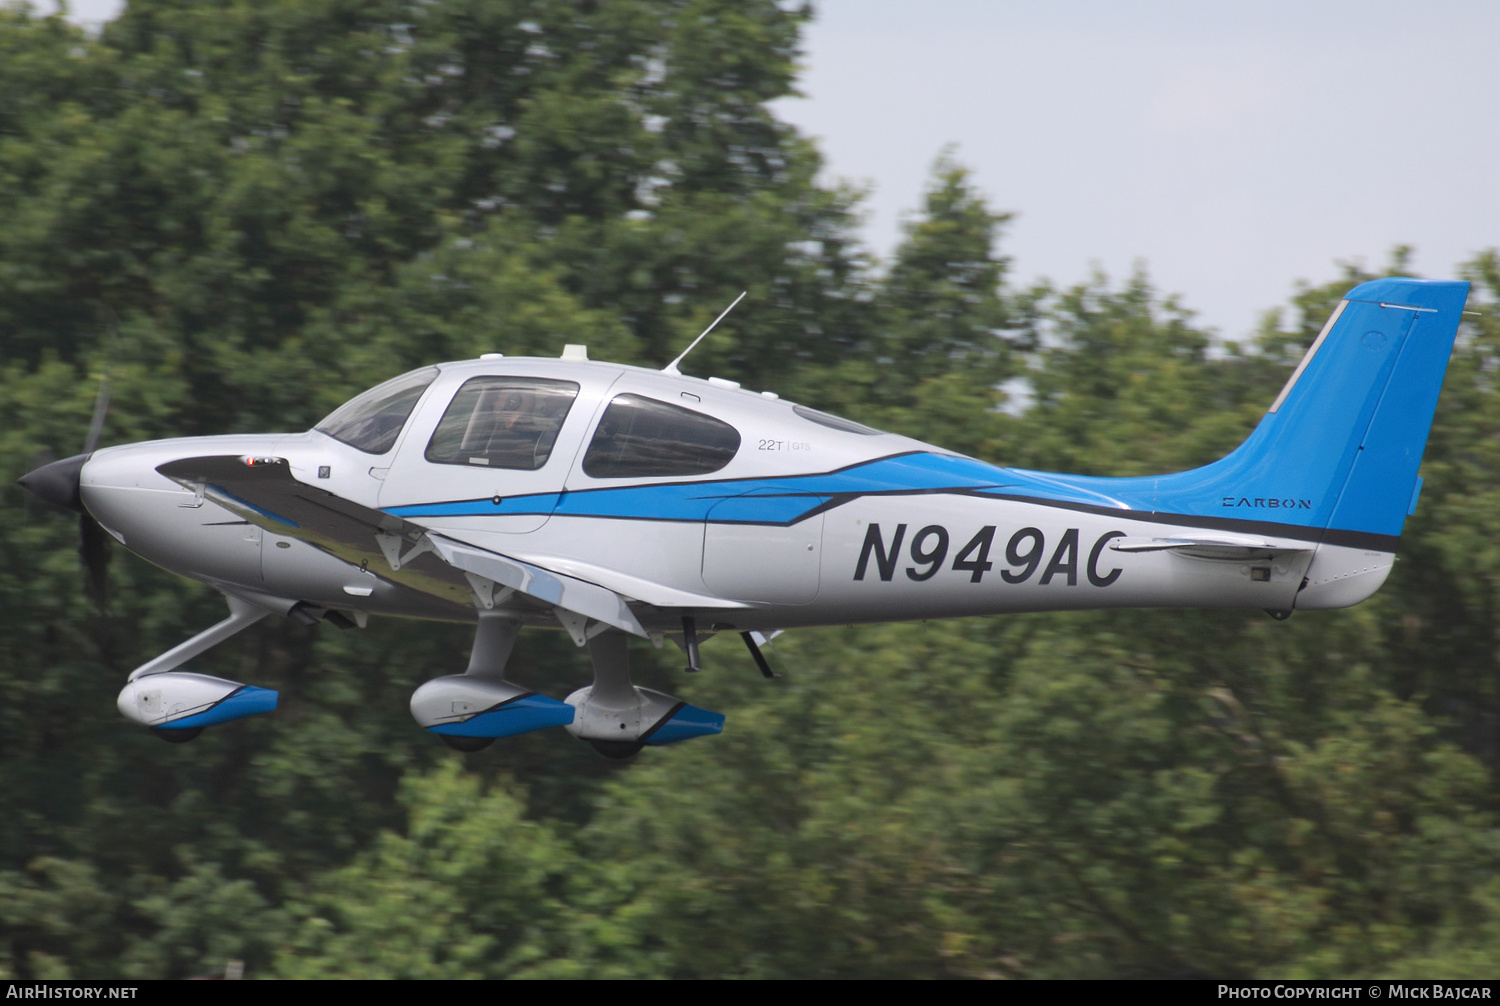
264	492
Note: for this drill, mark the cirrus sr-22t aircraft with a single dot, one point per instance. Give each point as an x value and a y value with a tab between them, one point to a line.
612	501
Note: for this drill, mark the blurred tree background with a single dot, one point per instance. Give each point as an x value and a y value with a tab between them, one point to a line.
246	212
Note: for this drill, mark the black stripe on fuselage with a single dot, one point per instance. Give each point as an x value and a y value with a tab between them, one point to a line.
1351	539
1298	532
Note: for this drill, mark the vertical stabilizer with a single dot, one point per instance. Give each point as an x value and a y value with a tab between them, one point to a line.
1340	447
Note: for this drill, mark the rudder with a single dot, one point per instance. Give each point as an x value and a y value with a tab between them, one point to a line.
1381	486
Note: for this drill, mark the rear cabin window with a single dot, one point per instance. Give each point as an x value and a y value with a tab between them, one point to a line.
643	438
502	422
833	422
371	422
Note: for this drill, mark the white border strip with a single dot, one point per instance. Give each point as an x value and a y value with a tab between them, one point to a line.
1307	357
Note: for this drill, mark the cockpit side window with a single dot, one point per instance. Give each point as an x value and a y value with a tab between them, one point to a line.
502	422
643	438
371	422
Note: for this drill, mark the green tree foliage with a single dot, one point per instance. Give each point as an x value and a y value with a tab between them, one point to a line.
468	891
243	212
1123	383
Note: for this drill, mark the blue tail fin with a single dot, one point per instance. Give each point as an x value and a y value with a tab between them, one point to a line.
1340	446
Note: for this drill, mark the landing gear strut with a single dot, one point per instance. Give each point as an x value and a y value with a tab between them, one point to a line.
177	705
470	710
619	718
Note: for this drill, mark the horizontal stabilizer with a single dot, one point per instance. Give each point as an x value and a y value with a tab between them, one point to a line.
1232	548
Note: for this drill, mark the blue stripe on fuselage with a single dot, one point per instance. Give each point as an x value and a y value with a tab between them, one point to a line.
783	500
788	499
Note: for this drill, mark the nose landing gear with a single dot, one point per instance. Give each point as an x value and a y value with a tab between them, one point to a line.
177	705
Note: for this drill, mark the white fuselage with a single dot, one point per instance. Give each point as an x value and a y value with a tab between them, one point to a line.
773	539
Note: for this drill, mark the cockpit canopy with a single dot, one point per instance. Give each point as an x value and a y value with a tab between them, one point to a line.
514	422
371	422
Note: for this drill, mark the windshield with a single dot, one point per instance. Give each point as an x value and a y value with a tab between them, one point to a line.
371	422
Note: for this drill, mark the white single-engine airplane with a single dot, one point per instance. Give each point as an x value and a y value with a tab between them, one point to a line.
615	501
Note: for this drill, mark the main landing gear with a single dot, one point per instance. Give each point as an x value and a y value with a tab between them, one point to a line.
470	710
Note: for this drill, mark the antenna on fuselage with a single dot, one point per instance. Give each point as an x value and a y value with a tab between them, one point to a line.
671	368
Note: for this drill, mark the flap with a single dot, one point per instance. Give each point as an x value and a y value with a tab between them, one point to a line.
557	589
658	595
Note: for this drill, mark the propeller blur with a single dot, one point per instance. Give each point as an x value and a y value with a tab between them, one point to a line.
611	501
